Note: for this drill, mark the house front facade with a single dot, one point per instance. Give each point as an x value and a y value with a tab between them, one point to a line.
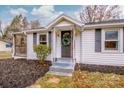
100	43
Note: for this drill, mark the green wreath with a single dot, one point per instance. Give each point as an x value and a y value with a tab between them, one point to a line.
66	39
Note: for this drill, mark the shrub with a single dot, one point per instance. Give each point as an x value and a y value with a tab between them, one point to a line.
42	51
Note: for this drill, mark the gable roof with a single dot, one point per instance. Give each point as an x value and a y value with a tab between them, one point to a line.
63	16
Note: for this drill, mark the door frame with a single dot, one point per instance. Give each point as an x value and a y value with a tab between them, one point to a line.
71	50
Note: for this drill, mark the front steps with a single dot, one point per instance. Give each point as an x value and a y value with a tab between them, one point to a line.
62	67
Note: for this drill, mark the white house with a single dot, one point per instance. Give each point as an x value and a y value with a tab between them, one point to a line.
5	46
100	43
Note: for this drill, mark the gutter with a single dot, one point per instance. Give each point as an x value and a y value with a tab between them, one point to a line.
104	25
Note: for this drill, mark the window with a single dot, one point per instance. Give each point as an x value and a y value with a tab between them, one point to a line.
43	39
111	40
34	38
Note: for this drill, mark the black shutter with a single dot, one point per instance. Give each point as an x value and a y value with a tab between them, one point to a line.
50	38
97	40
34	38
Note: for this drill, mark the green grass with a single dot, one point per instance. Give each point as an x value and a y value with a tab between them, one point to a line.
5	55
84	79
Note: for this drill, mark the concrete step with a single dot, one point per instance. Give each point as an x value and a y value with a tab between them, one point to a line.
64	70
60	73
68	60
63	65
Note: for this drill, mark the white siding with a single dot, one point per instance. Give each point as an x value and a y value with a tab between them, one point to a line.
30	52
89	56
63	23
77	47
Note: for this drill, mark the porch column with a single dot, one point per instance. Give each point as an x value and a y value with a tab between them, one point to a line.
54	45
13	47
74	43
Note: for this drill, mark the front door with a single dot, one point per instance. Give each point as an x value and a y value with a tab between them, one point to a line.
66	44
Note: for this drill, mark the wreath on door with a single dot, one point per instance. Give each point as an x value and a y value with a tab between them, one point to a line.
66	39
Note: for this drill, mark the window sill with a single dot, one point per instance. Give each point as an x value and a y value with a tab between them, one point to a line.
112	52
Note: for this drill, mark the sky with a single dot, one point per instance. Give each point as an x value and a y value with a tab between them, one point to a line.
45	14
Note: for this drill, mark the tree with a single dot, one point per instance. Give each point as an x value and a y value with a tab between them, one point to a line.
4	33
25	23
94	13
16	24
35	24
19	23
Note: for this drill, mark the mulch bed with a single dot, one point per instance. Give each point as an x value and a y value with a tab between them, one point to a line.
100	68
20	73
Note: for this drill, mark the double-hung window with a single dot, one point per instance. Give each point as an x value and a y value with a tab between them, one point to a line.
111	40
43	39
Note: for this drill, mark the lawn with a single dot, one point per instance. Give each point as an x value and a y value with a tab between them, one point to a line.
83	79
5	55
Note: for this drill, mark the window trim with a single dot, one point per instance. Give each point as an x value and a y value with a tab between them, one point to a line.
46	38
103	41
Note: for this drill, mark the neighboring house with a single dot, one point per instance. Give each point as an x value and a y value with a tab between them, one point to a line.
5	46
100	43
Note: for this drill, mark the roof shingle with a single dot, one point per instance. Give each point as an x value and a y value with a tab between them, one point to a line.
106	22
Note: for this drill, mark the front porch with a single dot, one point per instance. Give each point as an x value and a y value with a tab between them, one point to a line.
63	42
64	50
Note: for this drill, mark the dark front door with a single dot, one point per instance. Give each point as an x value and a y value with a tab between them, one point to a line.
66	44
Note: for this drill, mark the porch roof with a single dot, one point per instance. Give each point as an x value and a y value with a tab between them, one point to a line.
51	24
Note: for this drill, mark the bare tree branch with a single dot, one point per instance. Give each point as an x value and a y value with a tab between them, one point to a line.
94	13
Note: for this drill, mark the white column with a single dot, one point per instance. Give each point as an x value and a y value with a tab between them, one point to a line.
54	45
73	42
13	48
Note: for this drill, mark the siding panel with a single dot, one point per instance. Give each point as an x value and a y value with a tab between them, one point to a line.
89	56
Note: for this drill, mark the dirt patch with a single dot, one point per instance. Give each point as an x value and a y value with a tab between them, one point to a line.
20	73
54	80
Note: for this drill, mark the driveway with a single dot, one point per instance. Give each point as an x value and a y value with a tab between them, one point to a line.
20	73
